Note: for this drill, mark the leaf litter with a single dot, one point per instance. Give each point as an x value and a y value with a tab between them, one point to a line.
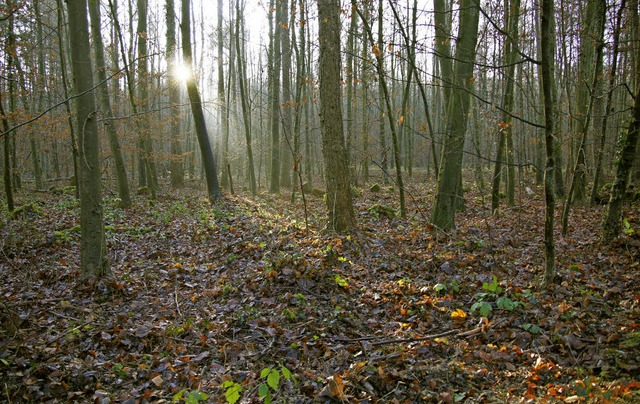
215	303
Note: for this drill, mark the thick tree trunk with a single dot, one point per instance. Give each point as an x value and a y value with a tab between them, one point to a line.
103	94
338	197
208	159
93	246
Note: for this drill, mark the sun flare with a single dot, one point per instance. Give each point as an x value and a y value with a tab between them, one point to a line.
182	72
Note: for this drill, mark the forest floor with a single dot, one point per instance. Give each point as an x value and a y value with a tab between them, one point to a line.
241	300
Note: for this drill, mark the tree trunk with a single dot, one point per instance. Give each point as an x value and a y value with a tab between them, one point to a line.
627	145
176	165
65	88
103	94
8	189
448	193
275	63
146	147
382	83
577	189
547	70
338	197
611	86
93	246
208	159
244	100
512	15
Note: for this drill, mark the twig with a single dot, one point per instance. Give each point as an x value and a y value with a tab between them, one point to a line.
482	326
175	297
6	390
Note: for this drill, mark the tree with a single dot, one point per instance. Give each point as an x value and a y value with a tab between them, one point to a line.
208	160
274	79
627	144
93	246
512	15
338	197
244	100
449	183
103	94
176	166
547	70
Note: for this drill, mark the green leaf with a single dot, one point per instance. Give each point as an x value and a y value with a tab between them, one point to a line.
484	308
6	362
439	287
265	372
286	372
340	281
532	328
273	380
195	396
263	390
506	304
232	394
178	396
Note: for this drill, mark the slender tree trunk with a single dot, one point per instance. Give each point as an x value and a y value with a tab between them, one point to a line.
611	86
244	100
578	183
146	147
512	15
287	97
176	165
65	88
382	83
449	184
384	163
275	62
547	70
208	159
103	94
8	189
627	144
93	246
338	197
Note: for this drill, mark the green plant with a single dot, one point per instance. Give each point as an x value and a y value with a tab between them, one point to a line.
232	391
341	282
272	381
191	397
492	291
627	227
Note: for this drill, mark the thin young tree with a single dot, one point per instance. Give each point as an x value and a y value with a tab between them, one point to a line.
176	165
105	101
512	16
208	159
547	63
339	199
93	246
244	98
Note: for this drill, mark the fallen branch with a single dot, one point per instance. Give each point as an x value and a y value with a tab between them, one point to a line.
482	327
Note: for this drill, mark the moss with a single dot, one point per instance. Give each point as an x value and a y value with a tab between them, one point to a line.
375	188
379	210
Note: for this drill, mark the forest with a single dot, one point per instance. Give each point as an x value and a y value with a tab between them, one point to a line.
332	201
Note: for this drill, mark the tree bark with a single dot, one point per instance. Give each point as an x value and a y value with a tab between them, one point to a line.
93	246
208	159
338	197
274	63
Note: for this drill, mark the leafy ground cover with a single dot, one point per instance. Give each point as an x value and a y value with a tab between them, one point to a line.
241	302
